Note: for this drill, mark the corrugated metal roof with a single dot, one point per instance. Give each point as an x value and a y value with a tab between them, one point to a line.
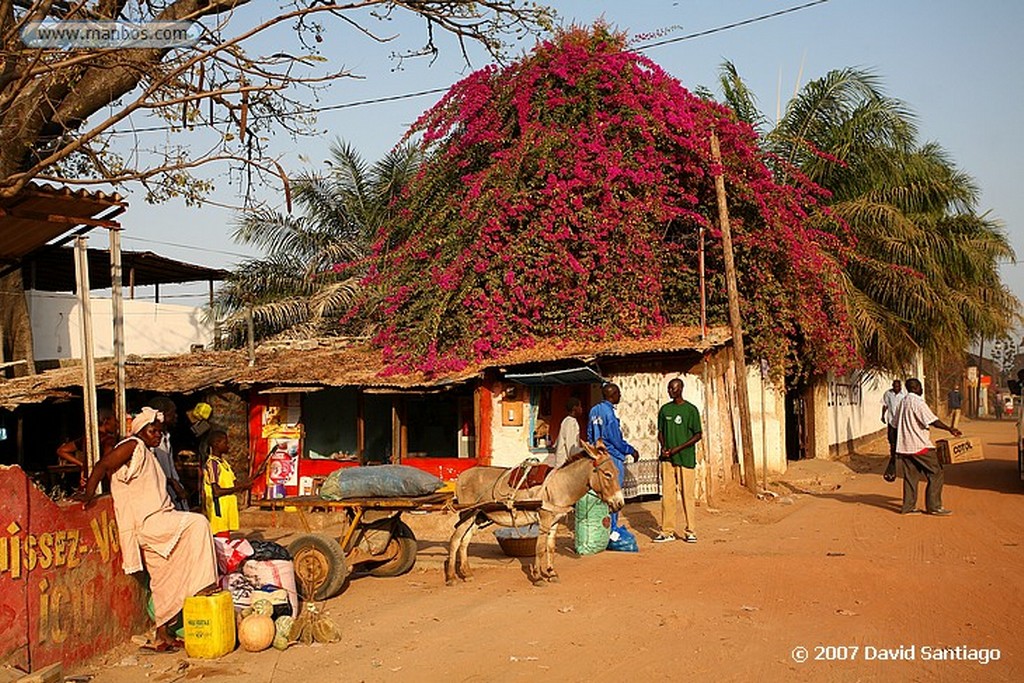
41	213
331	363
53	269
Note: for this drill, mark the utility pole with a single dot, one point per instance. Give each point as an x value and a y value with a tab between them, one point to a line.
735	321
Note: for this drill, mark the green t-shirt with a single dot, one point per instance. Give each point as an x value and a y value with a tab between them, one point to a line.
677	424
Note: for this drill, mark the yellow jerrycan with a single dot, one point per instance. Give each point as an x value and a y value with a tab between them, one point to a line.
209	625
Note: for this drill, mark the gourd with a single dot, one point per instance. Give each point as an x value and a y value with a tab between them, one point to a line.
256	632
283	631
263	606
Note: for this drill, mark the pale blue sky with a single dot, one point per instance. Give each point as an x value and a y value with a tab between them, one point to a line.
958	65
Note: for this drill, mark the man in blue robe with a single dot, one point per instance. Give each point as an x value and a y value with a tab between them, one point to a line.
604	424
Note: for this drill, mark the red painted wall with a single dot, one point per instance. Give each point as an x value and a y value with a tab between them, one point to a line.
444	468
63	594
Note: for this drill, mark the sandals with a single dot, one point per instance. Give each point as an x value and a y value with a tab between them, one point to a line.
153	644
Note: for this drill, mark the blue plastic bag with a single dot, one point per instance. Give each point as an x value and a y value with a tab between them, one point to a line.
625	543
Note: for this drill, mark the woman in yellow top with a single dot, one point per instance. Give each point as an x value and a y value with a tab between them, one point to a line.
219	487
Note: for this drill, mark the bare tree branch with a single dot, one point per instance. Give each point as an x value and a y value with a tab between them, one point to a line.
59	107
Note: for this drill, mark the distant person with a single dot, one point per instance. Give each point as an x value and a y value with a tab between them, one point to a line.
954	401
891	400
567	443
604	425
220	486
72	452
679	431
165	452
915	448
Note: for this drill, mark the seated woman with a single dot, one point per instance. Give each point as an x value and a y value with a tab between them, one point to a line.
177	547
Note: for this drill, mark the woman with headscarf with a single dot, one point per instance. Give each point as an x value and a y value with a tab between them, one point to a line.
177	547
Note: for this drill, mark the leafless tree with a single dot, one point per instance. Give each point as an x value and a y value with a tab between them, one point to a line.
59	106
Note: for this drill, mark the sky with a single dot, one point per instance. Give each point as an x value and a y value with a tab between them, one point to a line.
959	66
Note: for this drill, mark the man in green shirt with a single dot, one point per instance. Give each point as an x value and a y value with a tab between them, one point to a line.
679	431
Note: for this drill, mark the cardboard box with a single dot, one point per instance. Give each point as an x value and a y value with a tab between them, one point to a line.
964	449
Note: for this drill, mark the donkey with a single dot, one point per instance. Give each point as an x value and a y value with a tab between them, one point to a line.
478	491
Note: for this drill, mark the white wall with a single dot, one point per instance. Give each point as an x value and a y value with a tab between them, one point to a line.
150	329
855	406
767	424
510	445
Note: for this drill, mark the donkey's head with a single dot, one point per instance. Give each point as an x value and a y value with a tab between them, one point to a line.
604	478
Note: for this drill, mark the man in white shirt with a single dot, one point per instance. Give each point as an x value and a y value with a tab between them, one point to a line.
165	453
891	400
568	442
915	448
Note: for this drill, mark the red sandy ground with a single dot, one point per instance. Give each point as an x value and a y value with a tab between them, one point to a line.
831	565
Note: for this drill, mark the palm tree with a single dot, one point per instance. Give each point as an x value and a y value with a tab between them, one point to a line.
310	276
924	274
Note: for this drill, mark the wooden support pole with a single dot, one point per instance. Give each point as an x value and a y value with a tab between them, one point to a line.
251	335
735	320
117	303
702	284
92	436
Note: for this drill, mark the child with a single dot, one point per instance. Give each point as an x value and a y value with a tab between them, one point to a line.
219	487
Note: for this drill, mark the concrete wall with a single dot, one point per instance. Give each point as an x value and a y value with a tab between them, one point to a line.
852	409
150	329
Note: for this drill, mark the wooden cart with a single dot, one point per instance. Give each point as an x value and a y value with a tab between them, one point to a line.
374	539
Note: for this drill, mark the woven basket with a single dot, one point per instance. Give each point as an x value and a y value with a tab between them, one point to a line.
523	546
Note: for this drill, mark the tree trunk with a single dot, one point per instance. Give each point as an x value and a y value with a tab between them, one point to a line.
15	325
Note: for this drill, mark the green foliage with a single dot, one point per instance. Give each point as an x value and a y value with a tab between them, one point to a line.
310	278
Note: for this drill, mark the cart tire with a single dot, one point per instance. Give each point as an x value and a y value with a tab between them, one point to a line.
406	558
320	567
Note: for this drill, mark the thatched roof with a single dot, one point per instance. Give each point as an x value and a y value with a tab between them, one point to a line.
326	363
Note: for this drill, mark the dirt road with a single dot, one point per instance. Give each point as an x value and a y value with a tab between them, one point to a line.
832	568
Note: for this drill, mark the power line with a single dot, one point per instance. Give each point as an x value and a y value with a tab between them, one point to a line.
187	246
436	91
727	27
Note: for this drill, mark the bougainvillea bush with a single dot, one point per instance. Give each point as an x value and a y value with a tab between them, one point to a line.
562	198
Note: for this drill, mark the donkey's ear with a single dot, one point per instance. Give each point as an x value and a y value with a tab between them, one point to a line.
592	452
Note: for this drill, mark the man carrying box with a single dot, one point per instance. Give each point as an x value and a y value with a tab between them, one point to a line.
914	447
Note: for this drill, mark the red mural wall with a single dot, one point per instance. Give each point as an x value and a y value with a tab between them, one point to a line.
63	594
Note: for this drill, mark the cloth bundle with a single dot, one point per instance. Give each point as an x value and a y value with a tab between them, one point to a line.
383	481
231	554
279	573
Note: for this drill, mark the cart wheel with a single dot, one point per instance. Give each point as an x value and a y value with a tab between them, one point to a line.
320	568
406	558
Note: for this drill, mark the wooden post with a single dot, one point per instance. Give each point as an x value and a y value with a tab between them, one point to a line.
216	323
117	303
981	373
92	437
735	321
252	335
764	429
703	288
361	427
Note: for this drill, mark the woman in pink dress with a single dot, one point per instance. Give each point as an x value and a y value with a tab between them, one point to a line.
175	547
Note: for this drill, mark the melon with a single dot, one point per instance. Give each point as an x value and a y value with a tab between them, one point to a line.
283	632
256	632
263	606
